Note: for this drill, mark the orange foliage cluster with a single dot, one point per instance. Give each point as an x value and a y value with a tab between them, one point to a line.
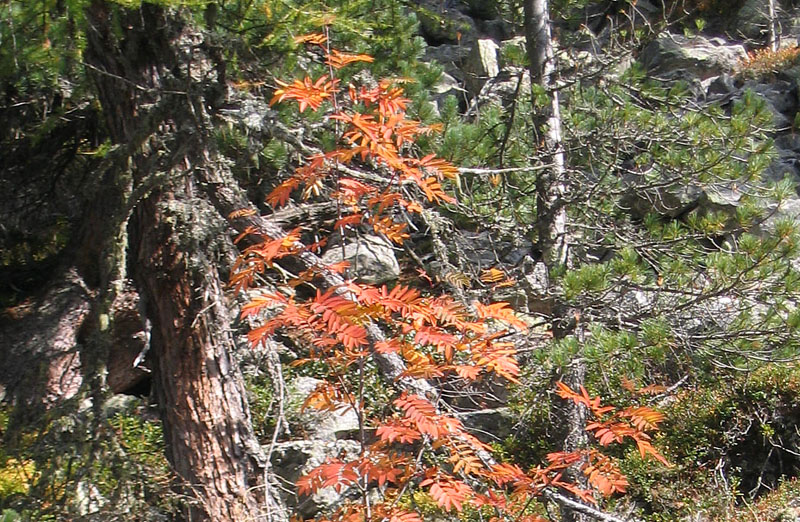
765	62
419	445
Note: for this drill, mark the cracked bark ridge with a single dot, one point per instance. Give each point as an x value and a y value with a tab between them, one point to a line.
149	80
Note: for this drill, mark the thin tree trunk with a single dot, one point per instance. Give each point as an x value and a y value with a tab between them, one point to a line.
774	32
551	183
551	226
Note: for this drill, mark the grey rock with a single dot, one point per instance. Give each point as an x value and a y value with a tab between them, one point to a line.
787	163
781	98
291	460
318	425
512	47
489	425
788	209
722	85
371	258
673	56
485	9
441	25
502	89
752	20
481	65
671	201
446	84
120	404
449	55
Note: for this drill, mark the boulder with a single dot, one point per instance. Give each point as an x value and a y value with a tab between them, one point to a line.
316	424
502	89
781	98
440	25
446	86
291	460
752	20
450	56
671	201
678	57
481	65
121	404
512	52
489	425
371	258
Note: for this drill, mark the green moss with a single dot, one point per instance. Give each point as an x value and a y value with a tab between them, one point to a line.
720	437
260	396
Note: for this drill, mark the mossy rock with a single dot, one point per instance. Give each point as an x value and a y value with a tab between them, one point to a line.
445	26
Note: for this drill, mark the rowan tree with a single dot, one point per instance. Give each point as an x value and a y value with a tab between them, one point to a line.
380	179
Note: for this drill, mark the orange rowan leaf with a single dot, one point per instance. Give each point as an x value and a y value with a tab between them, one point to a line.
265	300
433	191
424	275
492	275
421	412
249	231
306	92
351	220
491	499
604	475
500	359
333	473
388	346
645	448
643	418
280	195
396	431
337	59
422	367
414	207
328	397
436	337
353	336
268	251
653	389
439	166
312	38
353	190
628	384
339	267
449	493
242	212
500	311
394	231
467	372
405	516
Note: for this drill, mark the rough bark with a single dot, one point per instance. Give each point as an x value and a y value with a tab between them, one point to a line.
199	388
150	80
41	364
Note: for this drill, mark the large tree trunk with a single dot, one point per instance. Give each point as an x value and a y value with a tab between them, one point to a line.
148	80
207	425
551	228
